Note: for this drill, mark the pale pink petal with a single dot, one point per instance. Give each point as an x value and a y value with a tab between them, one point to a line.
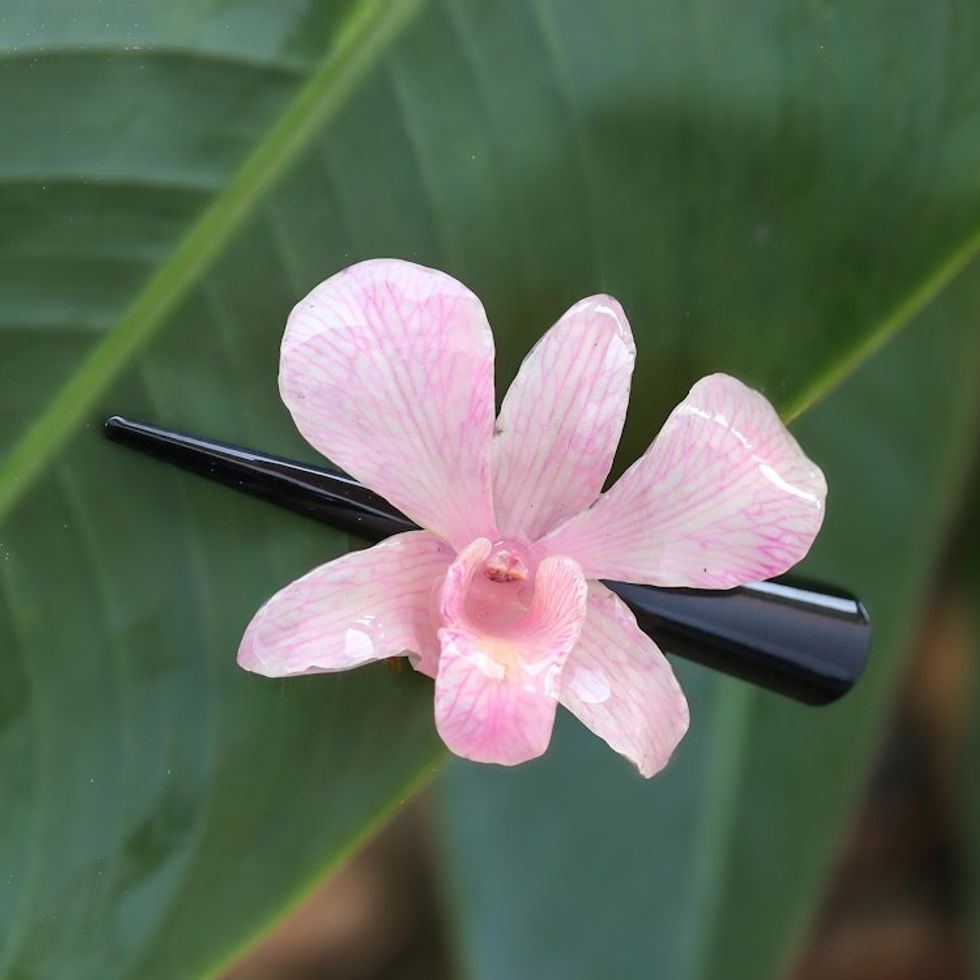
561	419
496	692
387	369
365	606
722	497
618	683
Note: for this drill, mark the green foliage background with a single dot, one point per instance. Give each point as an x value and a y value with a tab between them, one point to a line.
773	189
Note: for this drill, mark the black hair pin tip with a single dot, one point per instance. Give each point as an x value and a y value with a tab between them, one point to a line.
805	641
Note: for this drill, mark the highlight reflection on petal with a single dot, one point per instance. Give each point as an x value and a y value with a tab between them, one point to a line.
367	605
723	496
618	683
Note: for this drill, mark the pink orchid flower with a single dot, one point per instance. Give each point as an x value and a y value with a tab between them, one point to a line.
387	369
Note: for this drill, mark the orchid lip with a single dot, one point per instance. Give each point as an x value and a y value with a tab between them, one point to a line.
808	642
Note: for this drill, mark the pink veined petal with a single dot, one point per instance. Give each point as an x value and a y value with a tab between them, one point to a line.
365	606
561	419
618	684
387	369
722	497
496	695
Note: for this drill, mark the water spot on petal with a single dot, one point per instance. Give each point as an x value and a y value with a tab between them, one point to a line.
590	686
358	646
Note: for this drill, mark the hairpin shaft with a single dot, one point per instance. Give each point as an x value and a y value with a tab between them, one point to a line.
805	641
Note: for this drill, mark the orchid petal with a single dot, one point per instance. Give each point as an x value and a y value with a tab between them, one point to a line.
496	693
618	684
387	369
722	497
364	606
561	419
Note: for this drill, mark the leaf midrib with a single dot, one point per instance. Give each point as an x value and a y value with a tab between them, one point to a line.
922	293
370	26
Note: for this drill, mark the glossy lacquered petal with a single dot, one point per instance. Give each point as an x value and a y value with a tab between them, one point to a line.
618	683
497	692
723	496
387	369
365	606
561	419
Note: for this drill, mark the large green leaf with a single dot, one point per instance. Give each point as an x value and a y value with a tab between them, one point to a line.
709	870
771	192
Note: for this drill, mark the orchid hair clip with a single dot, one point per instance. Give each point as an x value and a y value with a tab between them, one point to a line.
503	572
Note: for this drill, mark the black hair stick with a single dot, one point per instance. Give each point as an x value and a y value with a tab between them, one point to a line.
805	641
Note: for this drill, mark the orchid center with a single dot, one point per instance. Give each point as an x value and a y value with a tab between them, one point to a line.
502	588
507	562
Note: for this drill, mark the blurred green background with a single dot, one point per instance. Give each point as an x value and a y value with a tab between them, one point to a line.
787	190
